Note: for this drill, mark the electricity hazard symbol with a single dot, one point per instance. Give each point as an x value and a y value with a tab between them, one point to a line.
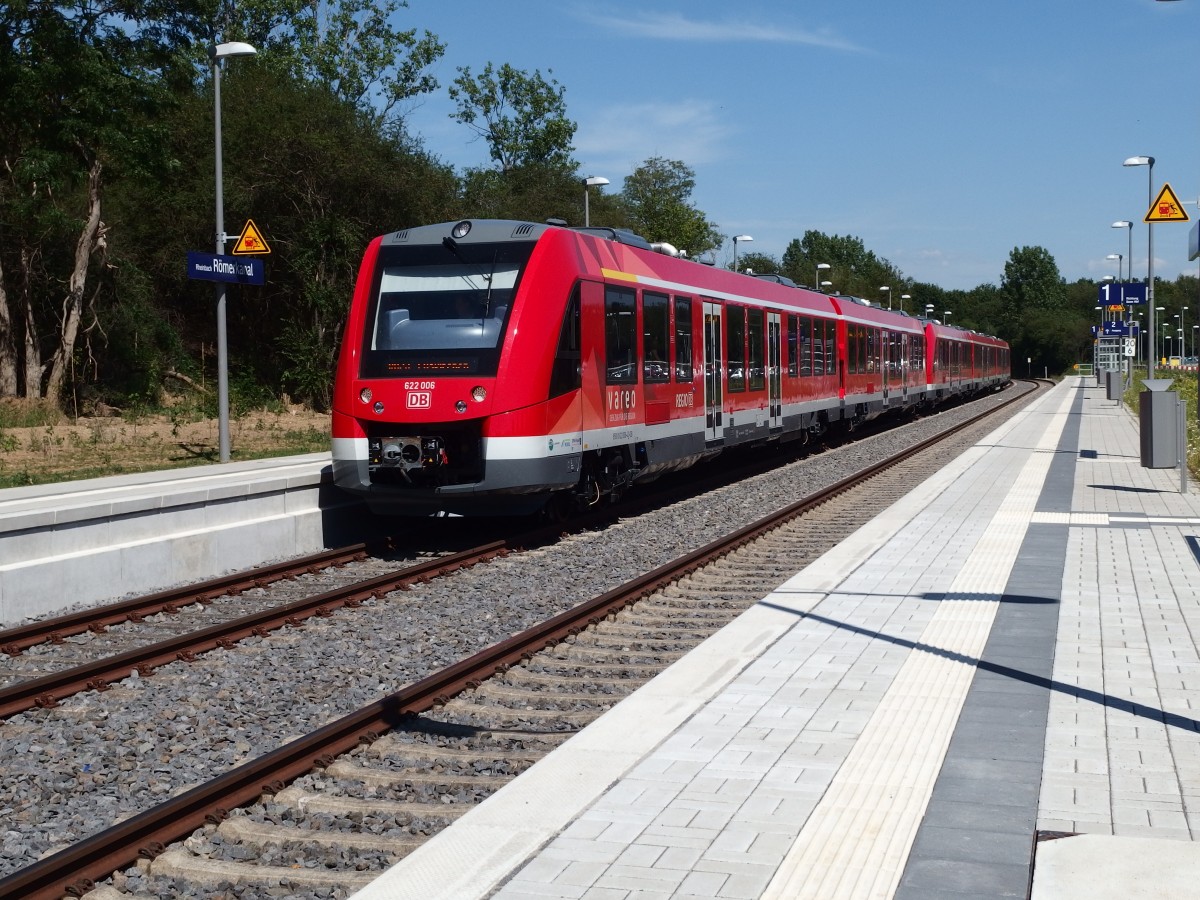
250	242
1166	208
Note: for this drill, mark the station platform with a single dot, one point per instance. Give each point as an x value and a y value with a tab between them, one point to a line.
990	691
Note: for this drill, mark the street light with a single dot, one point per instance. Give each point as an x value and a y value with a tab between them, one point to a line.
1148	161
904	297
1129	227
1150	326
929	310
217	53
946	317
817	276
590	181
736	238
825	284
1118	257
889	294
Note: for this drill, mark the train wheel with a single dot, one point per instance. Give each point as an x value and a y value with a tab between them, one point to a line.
560	507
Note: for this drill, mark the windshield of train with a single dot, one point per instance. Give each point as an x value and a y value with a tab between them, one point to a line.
441	310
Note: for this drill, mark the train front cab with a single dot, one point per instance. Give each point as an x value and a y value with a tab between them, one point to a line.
453	374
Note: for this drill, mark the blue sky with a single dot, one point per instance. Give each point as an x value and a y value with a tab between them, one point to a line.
943	133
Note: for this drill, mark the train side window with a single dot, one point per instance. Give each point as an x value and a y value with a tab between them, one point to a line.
853	349
819	337
735	354
756	358
620	336
806	347
656	339
683	340
566	374
793	340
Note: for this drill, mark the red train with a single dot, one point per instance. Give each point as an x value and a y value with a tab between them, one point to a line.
499	366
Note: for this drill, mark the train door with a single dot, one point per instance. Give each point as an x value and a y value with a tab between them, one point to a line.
714	370
886	337
774	372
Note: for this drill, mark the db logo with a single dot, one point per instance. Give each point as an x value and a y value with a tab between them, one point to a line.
420	399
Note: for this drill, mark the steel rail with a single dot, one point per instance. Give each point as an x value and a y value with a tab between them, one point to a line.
73	870
14	641
99	674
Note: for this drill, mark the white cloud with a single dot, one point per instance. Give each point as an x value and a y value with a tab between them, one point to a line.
621	138
675	27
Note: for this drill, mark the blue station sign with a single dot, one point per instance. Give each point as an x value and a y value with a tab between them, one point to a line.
1115	293
1115	329
234	269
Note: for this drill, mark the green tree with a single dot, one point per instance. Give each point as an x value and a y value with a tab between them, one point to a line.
320	180
657	199
758	263
522	117
351	47
1036	317
84	87
853	268
1031	281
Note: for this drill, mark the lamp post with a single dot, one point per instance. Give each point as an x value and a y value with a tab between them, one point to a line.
1128	226
736	238
1150	326
904	297
888	290
946	317
1118	257
1148	161
590	181
825	284
817	275
217	53
929	310
1194	329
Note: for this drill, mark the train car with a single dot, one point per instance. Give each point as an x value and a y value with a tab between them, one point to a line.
499	367
963	362
884	355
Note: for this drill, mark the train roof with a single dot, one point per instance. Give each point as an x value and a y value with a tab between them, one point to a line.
718	282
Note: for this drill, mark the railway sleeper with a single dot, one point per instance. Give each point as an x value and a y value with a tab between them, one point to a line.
589	674
214	873
252	833
395	745
681	629
312	802
423	754
510	693
616	655
506	715
376	776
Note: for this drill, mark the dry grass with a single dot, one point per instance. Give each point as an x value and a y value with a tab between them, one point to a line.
94	447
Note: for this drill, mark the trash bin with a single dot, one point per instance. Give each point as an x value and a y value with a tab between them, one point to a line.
1158	418
1116	383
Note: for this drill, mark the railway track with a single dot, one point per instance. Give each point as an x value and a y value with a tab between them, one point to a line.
398	770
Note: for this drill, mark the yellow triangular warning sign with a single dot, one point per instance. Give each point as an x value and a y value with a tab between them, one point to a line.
1166	208
250	242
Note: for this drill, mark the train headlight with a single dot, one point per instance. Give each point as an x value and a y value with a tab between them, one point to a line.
461	406
365	395
460	230
478	393
378	407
